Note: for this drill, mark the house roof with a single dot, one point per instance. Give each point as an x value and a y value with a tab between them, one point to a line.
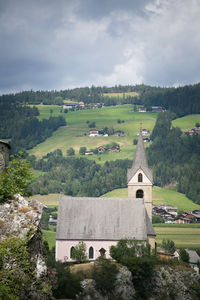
83	218
193	256
140	161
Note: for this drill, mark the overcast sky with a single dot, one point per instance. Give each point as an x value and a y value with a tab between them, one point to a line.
59	44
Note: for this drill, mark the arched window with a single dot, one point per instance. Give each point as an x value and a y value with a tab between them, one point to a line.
139	194
91	252
140	177
71	251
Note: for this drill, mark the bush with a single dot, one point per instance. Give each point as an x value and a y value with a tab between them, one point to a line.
16	178
168	245
184	256
79	252
104	274
70	152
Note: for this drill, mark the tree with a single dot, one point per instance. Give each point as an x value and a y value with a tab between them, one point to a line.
104	273
16	178
82	150
168	245
70	151
184	256
128	248
79	252
135	142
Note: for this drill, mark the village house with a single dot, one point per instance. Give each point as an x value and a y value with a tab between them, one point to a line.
119	133
101	149
114	149
157	109
194	259
94	132
145	132
142	109
88	152
170	209
70	105
102	222
193	131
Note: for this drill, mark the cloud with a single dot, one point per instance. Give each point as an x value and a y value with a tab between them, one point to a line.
62	44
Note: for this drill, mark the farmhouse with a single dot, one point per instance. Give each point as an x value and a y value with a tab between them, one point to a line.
102	222
94	132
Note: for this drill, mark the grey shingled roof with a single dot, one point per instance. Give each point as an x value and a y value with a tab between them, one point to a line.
193	256
140	161
102	219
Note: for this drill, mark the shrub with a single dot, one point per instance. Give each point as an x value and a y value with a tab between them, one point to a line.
104	273
79	252
16	178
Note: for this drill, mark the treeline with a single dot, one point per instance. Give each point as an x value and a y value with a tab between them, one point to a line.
78	176
182	101
20	125
175	157
84	94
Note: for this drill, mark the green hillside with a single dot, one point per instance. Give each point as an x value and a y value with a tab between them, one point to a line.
186	122
162	196
74	134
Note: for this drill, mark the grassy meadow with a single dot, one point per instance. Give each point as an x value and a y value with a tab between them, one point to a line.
121	95
75	133
183	235
186	122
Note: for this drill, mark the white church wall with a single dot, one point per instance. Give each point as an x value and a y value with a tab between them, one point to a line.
134	179
63	248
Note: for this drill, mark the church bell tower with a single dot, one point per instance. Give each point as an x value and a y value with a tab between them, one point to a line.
140	177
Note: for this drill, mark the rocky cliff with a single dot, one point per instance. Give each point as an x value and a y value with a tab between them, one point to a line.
167	283
22	266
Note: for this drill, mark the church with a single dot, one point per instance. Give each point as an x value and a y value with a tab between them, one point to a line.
102	222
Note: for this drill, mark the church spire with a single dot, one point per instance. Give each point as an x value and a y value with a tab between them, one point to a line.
140	161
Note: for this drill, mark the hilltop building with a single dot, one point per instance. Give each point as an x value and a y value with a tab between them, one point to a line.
102	222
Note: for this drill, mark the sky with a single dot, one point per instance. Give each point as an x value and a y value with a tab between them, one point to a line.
61	44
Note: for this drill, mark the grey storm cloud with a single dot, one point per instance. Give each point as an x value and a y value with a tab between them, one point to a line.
48	44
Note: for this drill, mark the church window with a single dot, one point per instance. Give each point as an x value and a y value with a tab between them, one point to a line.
71	251
139	194
91	253
140	177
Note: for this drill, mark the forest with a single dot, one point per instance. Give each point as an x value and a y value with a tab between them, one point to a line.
20	125
182	100
78	176
175	157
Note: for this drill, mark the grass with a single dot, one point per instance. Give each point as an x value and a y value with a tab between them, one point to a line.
161	196
50	200
50	237
183	235
121	95
186	122
75	133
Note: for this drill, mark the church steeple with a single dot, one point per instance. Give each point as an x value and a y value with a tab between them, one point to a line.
140	161
140	177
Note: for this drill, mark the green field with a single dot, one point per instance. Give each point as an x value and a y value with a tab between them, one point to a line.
50	237
75	133
184	235
162	196
186	122
121	95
